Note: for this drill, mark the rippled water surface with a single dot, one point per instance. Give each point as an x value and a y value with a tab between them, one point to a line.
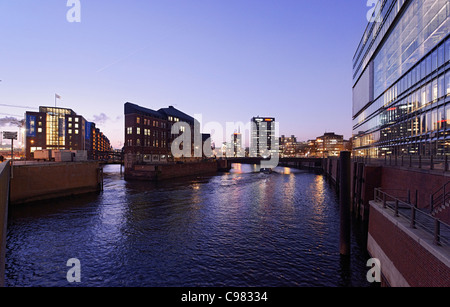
241	228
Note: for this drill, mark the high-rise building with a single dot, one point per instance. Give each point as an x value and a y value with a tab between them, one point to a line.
62	129
263	137
401	80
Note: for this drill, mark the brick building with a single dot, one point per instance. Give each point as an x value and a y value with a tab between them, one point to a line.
149	137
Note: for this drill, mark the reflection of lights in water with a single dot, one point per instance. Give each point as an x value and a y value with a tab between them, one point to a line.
318	195
287	171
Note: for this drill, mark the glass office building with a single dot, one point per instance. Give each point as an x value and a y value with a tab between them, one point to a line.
401	80
264	141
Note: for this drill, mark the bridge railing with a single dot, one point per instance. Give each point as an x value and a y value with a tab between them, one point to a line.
417	217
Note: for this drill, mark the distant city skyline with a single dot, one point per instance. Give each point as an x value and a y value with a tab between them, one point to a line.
227	60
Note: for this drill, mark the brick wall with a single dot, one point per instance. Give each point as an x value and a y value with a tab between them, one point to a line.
426	182
419	262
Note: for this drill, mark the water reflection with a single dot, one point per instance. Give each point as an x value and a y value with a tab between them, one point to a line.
242	228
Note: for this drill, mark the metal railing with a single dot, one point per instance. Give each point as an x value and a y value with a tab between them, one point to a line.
417	218
435	162
440	198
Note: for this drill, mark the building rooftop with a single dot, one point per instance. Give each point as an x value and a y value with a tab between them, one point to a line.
131	108
171	111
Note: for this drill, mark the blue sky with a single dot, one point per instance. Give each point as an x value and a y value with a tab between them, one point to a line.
229	60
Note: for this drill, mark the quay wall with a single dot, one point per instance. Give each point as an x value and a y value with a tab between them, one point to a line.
159	172
407	256
426	182
4	201
52	180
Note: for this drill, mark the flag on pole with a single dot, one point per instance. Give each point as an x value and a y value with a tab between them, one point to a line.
57	97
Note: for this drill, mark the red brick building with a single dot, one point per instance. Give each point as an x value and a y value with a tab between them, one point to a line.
149	137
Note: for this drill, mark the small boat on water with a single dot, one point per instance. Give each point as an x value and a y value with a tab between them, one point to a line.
266	170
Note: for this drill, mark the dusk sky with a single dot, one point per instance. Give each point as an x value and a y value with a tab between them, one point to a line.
227	60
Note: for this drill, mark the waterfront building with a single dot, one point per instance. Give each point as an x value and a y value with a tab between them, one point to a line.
149	137
329	145
62	129
401	80
263	137
291	148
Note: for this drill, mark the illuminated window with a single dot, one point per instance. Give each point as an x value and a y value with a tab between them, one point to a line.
138	120
138	130
76	119
130	130
70	131
76	131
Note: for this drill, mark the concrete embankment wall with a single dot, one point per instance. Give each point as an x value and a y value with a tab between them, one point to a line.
169	171
4	200
51	180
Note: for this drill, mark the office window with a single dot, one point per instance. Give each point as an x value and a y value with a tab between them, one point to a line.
429	93
76	131
447	113
138	120
447	78
441	86
434	60
434	89
130	130
39	130
76	119
138	130
69	131
441	55
441	118
447	50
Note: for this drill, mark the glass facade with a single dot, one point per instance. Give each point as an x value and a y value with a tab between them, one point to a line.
56	126
264	142
401	87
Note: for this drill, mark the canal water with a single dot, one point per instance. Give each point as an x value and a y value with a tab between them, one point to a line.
242	228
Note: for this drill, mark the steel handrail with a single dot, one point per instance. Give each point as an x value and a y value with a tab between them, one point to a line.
387	201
